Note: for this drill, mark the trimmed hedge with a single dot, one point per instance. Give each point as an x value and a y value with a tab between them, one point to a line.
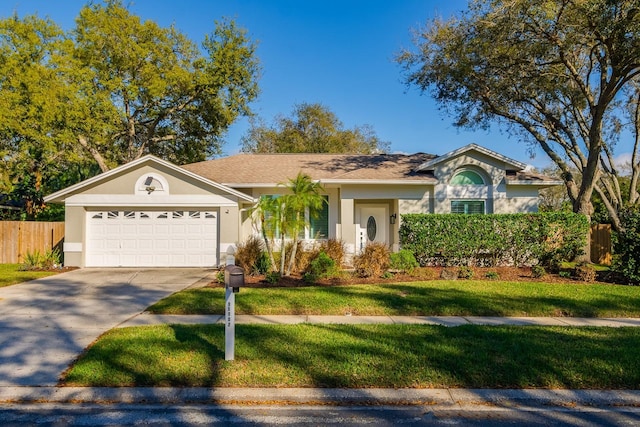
627	247
497	239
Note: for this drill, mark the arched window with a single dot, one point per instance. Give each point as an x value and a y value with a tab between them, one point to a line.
467	177
468	192
152	183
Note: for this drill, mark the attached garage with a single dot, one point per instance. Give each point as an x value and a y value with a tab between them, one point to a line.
145	238
149	213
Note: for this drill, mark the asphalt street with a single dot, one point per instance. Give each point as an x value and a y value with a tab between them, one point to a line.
277	415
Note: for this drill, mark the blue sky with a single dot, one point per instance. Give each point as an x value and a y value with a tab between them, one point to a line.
335	52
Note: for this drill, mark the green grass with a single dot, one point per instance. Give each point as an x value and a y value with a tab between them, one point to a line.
10	274
432	298
416	356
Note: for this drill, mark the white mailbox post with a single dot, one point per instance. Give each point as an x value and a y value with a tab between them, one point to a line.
233	279
229	323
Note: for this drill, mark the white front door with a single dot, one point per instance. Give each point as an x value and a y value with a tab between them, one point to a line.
138	238
372	226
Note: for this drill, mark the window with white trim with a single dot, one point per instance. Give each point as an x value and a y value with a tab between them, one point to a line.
468	192
317	227
467	206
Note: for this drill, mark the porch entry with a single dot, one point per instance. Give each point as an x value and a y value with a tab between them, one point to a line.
372	225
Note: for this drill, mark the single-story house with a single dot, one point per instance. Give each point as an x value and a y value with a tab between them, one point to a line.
151	212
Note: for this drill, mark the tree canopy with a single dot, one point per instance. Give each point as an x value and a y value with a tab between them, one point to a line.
115	88
561	74
311	128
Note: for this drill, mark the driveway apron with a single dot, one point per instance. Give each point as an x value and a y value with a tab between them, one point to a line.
46	323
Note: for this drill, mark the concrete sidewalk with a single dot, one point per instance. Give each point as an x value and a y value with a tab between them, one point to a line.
449	397
157	319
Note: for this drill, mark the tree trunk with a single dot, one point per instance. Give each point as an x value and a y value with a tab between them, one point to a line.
283	253
267	244
586	211
294	249
94	153
292	257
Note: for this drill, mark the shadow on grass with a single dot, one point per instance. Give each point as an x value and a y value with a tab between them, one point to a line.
165	355
463	299
434	356
357	356
585	301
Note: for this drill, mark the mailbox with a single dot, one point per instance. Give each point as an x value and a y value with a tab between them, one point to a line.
233	277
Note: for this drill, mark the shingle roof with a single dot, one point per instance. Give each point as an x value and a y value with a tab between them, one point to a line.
252	169
519	177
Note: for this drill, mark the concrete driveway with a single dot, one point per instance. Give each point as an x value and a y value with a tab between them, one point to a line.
46	323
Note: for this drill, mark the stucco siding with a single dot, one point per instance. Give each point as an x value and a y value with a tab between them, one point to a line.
522	191
74	236
126	183
228	230
516	205
383	191
406	206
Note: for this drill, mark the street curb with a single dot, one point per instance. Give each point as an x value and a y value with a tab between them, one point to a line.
319	396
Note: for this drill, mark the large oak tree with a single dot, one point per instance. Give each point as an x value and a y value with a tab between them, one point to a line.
114	88
311	128
561	74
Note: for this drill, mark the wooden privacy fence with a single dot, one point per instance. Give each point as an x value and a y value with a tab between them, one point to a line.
20	237
601	244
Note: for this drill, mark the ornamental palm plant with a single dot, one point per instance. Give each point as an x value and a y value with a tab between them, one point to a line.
305	195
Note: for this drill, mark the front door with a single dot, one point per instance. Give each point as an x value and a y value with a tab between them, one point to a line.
372	226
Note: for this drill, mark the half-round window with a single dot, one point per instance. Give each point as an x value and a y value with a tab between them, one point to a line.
152	183
467	177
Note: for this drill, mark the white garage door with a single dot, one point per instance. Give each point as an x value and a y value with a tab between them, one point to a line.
129	238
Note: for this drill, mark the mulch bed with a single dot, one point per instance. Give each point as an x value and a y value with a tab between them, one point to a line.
419	275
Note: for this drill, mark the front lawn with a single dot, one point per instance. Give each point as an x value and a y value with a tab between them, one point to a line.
416	356
10	274
430	298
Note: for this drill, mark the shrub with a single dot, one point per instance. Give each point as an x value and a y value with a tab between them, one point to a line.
263	263
321	267
403	261
41	261
465	273
585	273
220	276
373	261
303	257
538	271
493	275
448	274
423	273
249	255
272	277
334	248
627	247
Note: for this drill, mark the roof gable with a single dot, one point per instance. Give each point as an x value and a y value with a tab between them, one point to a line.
148	160
510	163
